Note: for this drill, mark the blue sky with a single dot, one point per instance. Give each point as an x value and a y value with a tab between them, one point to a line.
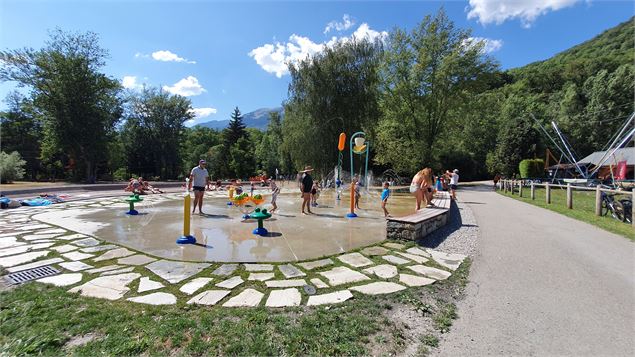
227	54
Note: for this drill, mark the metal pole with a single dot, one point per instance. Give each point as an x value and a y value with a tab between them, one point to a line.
366	167
573	159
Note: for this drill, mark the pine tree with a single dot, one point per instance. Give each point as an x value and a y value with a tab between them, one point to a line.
236	128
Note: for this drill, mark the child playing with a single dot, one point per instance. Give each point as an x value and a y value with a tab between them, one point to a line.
314	194
384	198
357	194
275	190
251	189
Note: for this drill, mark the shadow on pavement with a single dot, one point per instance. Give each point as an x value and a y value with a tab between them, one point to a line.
439	236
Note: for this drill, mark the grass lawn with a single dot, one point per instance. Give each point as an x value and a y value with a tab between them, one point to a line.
583	208
41	319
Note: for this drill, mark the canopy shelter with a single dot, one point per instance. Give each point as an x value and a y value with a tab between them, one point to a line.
621	163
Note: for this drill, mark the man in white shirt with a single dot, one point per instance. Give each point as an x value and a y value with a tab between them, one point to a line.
199	179
454	181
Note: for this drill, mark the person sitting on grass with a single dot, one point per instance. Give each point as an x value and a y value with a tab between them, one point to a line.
385	193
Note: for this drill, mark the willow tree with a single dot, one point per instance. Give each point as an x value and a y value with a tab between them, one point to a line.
426	75
332	91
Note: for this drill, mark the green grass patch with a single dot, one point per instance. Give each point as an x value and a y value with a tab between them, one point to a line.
583	208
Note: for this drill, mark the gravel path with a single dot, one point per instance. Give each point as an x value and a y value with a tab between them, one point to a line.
460	235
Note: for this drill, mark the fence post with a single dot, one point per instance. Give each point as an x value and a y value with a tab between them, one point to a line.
598	201
505	186
533	191
633	210
547	193
569	197
520	188
512	186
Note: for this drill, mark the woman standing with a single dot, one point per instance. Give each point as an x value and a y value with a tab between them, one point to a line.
416	188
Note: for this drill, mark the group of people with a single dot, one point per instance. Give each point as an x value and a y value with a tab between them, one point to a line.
425	183
140	186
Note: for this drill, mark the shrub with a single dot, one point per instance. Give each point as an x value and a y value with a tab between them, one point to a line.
531	168
11	167
121	174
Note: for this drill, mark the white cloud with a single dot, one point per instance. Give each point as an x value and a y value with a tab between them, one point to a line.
167	56
141	55
489	45
498	11
186	87
203	112
273	57
347	22
130	82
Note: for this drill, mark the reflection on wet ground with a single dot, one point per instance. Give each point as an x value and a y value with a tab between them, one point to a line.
222	235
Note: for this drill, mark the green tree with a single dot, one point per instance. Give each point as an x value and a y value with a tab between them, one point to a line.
21	130
236	129
80	105
11	167
332	91
242	161
269	150
197	144
426	74
153	131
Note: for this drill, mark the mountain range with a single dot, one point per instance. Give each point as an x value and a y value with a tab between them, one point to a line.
258	119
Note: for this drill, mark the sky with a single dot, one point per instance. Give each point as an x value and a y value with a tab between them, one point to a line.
223	54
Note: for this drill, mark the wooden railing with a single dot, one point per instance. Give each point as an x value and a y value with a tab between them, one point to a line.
516	187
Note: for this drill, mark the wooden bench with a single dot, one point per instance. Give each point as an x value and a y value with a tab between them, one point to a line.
421	223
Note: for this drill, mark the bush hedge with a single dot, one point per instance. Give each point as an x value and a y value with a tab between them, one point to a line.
531	168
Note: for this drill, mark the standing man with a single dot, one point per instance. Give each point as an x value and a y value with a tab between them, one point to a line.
199	178
454	181
305	187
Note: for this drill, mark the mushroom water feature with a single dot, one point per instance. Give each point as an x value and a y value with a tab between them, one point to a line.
132	199
260	216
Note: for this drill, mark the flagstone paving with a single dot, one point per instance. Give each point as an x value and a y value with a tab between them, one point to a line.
380	269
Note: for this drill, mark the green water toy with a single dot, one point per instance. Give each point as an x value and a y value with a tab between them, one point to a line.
260	216
132	199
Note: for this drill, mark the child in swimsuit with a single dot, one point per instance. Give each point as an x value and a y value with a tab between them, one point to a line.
275	190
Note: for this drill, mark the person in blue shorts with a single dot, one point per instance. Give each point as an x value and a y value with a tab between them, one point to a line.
384	198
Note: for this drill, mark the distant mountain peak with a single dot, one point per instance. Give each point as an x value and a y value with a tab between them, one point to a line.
258	119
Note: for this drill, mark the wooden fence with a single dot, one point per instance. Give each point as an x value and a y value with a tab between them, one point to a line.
516	187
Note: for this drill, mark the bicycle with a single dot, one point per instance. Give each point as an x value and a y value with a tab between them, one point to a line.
620	209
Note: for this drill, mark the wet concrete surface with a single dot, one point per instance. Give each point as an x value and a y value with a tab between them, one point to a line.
223	236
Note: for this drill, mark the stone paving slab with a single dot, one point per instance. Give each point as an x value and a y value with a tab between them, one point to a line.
99	248
225	270
378	287
316	264
62	279
9	242
110	287
118	271
416	258
372	251
284	298
247	298
14	260
258	267
394	246
31	227
137	259
72	236
23	249
175	272
384	271
395	260
319	283
146	284
75	266
39	236
209	297
418	251
231	282
434	273
155	299
77	256
194	285
330	298
413	280
115	253
260	276
343	275
54	230
104	268
289	271
450	261
87	242
64	248
37	264
355	260
285	283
